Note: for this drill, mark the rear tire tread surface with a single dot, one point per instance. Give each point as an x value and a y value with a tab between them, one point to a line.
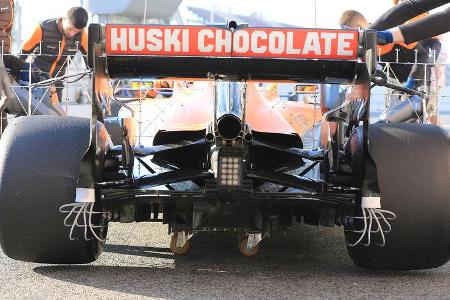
39	169
413	170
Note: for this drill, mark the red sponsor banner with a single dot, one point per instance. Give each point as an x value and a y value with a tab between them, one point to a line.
219	42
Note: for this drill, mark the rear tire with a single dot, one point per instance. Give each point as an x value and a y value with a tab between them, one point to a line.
413	170
39	170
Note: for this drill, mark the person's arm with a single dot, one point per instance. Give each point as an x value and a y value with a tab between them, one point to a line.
32	42
405	11
84	42
427	27
84	46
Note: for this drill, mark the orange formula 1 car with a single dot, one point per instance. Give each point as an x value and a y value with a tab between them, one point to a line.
227	157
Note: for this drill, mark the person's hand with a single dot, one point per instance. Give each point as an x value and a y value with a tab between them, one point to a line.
358	92
410	83
384	37
54	99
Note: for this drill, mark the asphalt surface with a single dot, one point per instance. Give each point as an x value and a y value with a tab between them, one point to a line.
311	263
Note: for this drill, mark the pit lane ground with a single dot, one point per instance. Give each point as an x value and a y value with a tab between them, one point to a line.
311	263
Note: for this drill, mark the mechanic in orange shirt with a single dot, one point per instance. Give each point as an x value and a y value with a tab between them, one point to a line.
54	40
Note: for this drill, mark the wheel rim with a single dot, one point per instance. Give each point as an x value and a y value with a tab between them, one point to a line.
243	248
178	250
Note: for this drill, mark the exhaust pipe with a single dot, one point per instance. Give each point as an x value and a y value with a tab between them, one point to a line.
229	126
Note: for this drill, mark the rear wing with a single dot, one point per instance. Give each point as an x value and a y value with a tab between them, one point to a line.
307	55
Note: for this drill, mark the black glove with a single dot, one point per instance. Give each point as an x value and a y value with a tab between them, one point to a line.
435	44
435	48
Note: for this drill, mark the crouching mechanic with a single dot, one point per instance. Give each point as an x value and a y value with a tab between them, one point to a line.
54	40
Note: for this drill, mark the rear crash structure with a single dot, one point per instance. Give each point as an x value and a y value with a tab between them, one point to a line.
377	181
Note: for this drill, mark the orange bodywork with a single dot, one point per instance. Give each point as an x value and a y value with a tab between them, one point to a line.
300	115
193	109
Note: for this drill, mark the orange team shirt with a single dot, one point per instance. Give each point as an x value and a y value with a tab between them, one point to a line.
36	39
